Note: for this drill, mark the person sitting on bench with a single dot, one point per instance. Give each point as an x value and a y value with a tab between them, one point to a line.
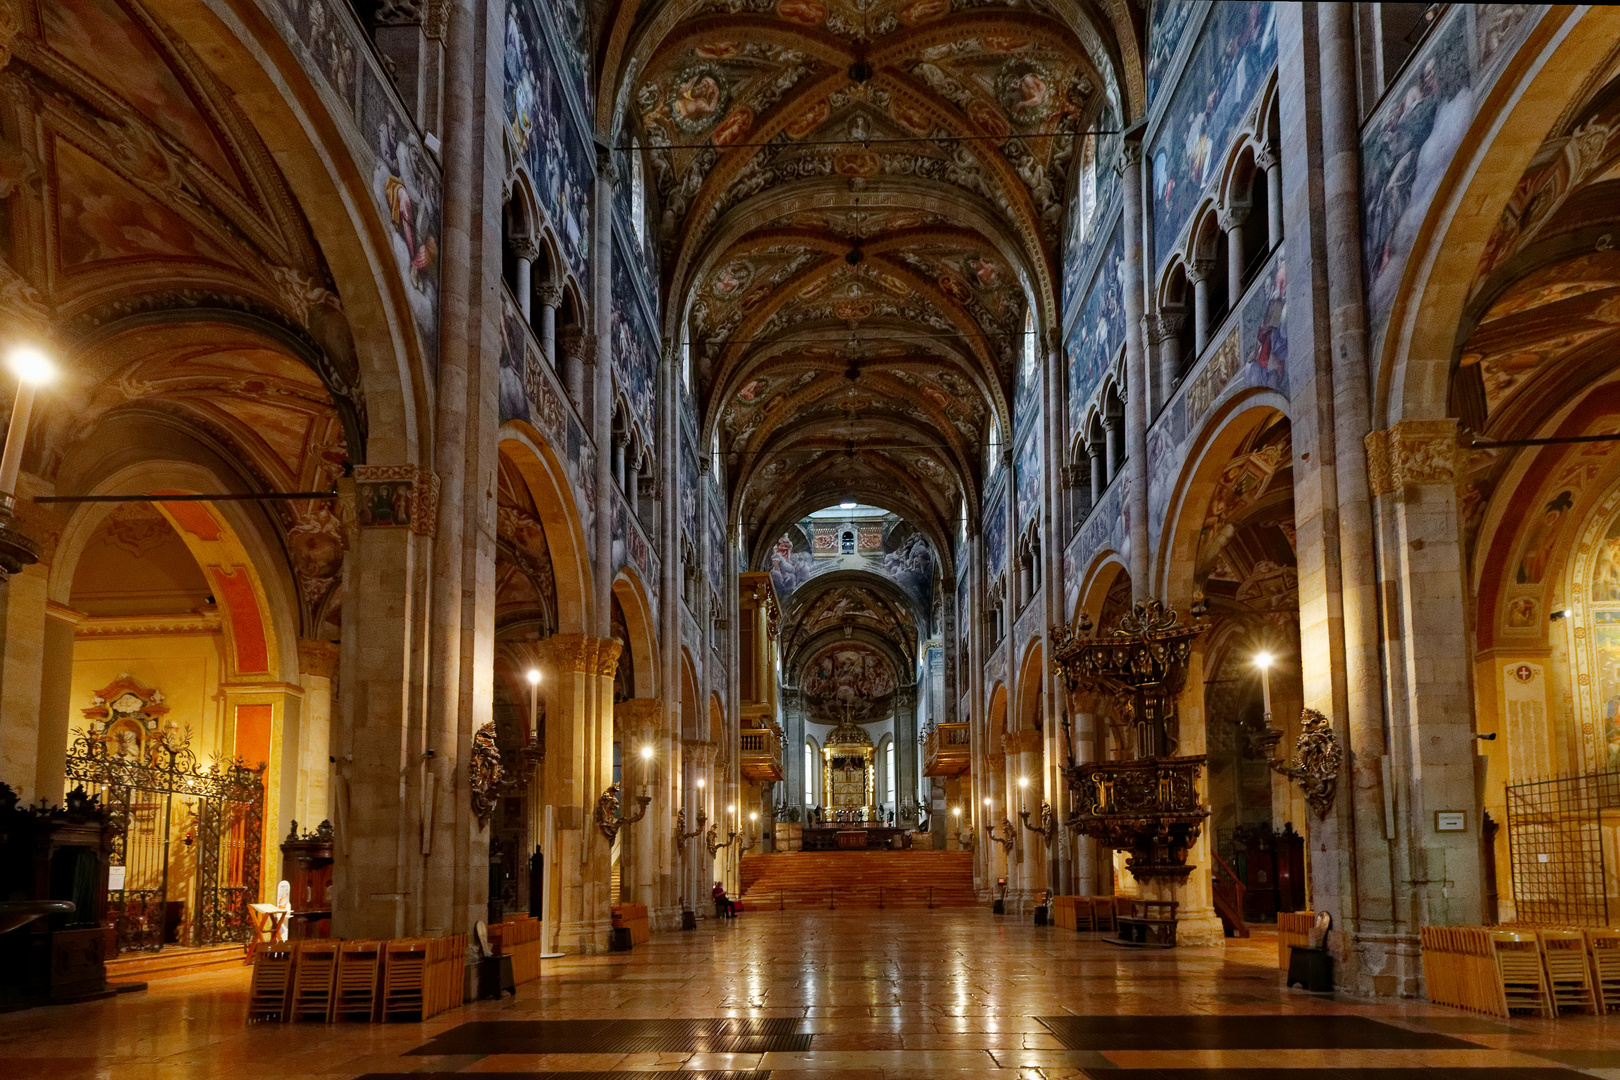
722	904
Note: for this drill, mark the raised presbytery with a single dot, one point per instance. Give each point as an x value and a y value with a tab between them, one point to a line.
1091	526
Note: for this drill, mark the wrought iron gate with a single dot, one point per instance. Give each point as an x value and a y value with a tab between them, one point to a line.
1556	839
183	834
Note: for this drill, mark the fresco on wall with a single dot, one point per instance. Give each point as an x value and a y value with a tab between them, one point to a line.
1080	245
635	343
689	493
911	565
719	558
1026	392
848	680
1414	132
540	124
570	35
1168	24
630	548
1606	645
995	536
907	559
1027	482
1236	51
1099	333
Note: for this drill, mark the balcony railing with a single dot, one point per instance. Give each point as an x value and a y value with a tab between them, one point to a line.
761	754
947	751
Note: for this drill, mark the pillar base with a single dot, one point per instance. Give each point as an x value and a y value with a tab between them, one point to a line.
1200	931
1377	965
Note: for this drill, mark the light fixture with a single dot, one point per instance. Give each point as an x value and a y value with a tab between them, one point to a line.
1262	660
957	810
847	506
534	676
731	808
700	783
646	753
31	366
753	815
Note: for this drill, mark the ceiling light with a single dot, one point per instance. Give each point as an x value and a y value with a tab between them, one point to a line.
847	506
31	365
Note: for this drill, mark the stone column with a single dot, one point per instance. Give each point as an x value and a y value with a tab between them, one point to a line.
55	702
1098	469
1266	158
905	748
1231	221
380	794
1414	468
1164	330
1129	165
22	657
551	298
1351	839
1198	273
1196	922
577	682
317	668
638	723
1110	446
525	250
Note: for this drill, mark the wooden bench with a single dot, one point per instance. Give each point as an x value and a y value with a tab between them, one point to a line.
1150	923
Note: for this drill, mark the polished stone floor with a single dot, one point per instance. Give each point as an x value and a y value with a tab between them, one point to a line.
863	995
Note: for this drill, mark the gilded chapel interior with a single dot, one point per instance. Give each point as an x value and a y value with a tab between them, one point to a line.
866	539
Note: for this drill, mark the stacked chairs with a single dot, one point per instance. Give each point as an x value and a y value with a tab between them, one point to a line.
359	966
518	937
1569	979
1293	928
1459	969
314	978
1520	971
1603	947
272	980
404	977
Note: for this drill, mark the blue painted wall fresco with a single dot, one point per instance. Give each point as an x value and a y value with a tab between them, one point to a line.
1409	140
1099	332
1168	24
635	338
547	132
1078	249
1253	354
1236	51
995	536
909	563
1027	480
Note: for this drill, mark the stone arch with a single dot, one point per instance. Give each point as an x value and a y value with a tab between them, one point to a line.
1174	570
566	535
1412	370
642	627
690	726
1031	680
717	723
1106	570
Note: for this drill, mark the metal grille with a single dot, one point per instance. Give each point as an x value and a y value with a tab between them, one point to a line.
181	833
1555	840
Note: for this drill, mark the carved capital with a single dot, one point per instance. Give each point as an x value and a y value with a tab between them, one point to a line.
581	654
317	658
396	497
550	296
639	718
1163	326
606	168
1021	742
526	248
1413	452
1199	270
1232	217
1266	158
398	13
1130	156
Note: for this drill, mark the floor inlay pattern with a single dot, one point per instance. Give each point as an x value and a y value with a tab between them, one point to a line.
1105	1033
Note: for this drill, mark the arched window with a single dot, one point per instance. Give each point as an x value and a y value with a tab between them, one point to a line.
992	445
888	771
849	543
1086	197
809	773
638	195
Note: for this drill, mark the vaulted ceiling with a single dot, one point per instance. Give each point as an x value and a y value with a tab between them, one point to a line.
860	205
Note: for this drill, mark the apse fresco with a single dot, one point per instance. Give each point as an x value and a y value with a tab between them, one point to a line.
854	681
1099	332
911	566
1236	51
1408	142
635	341
555	150
1168	25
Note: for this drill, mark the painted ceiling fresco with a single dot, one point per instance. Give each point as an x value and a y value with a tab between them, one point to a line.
861	201
848	680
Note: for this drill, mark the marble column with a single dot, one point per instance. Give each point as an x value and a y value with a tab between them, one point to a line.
577	680
317	668
1164	330
55	702
1098	470
1198	273
1129	166
1266	158
22	657
1232	221
638	722
525	251
905	748
550	297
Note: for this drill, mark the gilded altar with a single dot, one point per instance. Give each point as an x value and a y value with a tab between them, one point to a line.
849	774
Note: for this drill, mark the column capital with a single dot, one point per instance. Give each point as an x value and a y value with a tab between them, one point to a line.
1232	217
1413	452
1163	326
1265	157
638	718
1130	156
1020	742
318	658
582	654
550	296
526	248
1199	270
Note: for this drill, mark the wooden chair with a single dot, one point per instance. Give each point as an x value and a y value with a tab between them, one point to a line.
1569	977
404	978
358	966
272	980
1603	949
314	980
1084	917
1103	914
1519	972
